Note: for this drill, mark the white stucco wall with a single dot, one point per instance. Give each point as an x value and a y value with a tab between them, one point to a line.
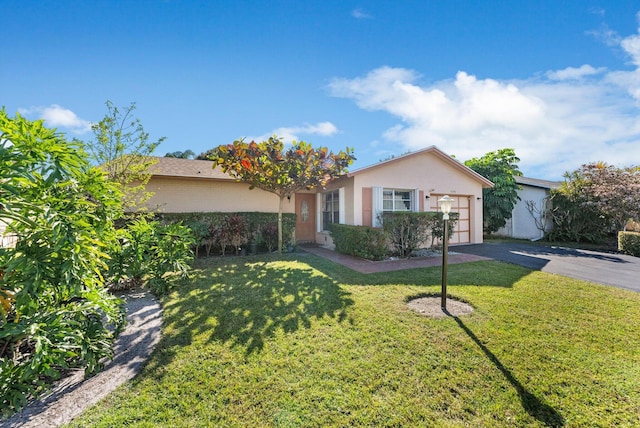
522	224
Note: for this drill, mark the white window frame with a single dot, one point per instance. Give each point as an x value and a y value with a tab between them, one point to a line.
396	203
340	202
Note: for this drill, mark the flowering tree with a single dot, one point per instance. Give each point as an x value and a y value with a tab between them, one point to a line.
615	192
268	166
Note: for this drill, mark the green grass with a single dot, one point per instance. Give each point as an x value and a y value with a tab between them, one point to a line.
301	341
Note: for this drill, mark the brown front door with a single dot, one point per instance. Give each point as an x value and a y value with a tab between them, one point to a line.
305	217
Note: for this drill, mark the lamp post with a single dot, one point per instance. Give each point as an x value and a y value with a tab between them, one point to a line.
445	207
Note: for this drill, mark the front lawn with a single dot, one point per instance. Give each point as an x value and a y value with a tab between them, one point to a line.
296	340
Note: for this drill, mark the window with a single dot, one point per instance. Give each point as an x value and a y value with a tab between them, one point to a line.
330	208
397	200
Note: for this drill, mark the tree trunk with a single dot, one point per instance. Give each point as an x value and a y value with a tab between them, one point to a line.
280	224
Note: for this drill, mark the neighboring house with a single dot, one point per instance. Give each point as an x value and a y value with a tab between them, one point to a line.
530	219
412	182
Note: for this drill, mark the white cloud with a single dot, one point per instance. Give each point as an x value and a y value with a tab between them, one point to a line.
289	134
573	73
358	13
554	125
56	116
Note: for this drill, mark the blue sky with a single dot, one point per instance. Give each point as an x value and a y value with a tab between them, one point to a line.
558	81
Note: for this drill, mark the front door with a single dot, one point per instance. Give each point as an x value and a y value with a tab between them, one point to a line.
305	217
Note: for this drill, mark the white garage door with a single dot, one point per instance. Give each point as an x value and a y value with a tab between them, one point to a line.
461	205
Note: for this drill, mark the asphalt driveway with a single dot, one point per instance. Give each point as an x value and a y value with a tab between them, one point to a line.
609	269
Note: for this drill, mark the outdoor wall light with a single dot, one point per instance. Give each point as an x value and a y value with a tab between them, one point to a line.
445	206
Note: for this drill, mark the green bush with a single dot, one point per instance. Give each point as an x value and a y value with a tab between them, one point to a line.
258	227
629	243
269	235
200	232
436	224
408	231
237	228
56	313
150	252
575	218
361	241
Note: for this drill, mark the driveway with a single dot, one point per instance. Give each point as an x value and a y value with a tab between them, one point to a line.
609	269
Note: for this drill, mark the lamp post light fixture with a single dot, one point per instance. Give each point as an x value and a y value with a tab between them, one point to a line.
445	207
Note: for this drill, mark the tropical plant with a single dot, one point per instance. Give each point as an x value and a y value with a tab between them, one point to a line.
56	311
269	235
501	167
238	229
151	253
200	232
268	166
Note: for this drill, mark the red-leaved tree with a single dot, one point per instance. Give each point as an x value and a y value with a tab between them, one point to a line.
268	166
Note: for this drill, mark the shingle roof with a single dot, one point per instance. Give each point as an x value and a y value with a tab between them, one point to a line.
534	182
175	167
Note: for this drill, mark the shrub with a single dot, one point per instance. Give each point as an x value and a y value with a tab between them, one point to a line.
56	312
269	235
407	231
576	218
151	252
361	241
237	228
436	224
259	226
200	232
629	243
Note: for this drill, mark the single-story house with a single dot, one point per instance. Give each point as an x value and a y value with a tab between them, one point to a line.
411	182
529	218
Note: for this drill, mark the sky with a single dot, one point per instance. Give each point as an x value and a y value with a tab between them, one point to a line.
557	81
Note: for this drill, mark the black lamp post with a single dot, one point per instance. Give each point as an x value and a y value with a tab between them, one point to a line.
445	207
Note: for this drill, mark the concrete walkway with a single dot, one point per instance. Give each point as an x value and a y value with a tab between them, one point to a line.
369	266
617	270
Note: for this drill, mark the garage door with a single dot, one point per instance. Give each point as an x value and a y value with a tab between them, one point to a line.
461	205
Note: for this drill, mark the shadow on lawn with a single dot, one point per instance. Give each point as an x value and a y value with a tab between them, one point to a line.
479	273
246	302
532	404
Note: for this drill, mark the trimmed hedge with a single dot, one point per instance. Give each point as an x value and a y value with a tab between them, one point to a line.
402	233
408	231
629	243
361	241
207	227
